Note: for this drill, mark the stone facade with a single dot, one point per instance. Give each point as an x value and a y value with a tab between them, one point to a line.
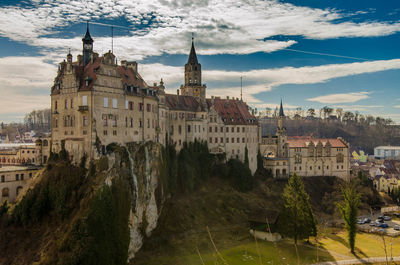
306	156
95	101
13	179
25	154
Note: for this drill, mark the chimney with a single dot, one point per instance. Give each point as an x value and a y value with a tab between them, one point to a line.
177	92
132	65
155	83
212	97
227	97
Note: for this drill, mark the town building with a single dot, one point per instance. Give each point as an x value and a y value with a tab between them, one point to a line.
95	101
13	179
385	152
305	156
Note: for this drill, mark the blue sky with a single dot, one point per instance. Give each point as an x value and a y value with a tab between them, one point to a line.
342	54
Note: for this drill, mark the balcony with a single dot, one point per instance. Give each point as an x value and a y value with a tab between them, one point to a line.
83	108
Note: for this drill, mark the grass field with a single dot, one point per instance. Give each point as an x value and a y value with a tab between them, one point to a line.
332	246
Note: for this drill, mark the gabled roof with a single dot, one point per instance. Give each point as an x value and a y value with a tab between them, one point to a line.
128	76
184	103
232	111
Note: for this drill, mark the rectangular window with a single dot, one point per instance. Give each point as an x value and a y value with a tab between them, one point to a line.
105	103
72	103
66	104
130	105
115	103
84	121
140	106
140	123
105	132
104	120
233	139
216	140
210	140
114	121
148	107
210	129
84	100
131	123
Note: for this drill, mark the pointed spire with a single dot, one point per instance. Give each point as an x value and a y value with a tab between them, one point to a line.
87	37
281	114
192	56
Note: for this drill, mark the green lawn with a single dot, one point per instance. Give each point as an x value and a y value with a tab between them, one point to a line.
333	246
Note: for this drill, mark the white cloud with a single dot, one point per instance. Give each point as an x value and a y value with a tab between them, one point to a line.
396	106
22	77
341	98
165	25
266	79
25	84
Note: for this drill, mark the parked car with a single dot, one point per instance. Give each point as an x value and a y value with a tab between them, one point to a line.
383	225
397	214
387	218
379	220
373	224
367	220
396	227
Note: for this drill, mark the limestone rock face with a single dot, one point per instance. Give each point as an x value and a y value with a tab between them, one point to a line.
142	165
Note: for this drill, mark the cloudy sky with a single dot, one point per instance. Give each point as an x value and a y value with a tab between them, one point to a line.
337	53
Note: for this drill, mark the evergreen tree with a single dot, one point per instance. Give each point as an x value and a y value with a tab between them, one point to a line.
296	219
349	210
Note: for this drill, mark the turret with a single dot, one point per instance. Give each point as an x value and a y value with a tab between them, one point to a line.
87	42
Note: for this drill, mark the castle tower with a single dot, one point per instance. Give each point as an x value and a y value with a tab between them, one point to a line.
87	42
193	86
281	133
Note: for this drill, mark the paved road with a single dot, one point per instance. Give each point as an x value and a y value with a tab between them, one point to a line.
358	261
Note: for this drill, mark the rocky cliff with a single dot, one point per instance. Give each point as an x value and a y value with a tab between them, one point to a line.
100	215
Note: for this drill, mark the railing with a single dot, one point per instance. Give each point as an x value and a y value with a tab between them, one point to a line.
83	108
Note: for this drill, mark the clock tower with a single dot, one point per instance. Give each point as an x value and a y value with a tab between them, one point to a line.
87	46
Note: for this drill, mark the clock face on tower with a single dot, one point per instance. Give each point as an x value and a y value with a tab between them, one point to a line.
87	46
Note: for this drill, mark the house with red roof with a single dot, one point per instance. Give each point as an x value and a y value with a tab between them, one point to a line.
304	155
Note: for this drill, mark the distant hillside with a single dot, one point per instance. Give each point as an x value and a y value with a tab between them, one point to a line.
360	135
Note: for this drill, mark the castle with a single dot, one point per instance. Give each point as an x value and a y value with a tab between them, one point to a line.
95	101
305	156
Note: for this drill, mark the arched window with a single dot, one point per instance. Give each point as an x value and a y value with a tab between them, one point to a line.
5	193
277	173
45	143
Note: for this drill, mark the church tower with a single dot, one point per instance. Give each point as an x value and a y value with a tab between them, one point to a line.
281	133
87	42
193	86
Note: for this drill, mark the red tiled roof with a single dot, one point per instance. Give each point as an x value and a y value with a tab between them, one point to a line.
232	111
128	75
336	143
185	103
